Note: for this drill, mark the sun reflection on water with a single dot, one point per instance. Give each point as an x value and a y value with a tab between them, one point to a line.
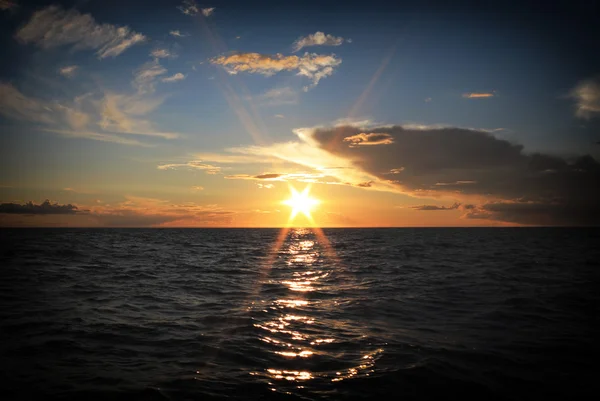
297	327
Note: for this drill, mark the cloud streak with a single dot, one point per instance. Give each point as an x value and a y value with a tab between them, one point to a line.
191	165
54	27
478	95
434	207
312	66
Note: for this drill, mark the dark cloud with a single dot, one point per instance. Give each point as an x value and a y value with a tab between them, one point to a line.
521	187
44	208
367	184
434	207
268	176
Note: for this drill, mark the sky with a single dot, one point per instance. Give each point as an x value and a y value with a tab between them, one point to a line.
172	113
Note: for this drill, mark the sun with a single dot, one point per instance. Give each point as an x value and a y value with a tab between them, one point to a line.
301	202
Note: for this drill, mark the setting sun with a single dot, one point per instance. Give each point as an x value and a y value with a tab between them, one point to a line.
301	202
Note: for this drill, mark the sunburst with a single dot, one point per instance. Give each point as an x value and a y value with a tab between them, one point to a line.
301	202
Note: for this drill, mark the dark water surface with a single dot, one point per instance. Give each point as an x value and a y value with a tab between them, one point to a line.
368	313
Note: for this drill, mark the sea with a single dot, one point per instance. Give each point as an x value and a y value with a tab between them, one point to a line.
300	314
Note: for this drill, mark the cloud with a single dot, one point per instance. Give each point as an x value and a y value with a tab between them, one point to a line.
279	116
190	7
191	165
174	78
278	96
162	53
98	136
266	186
198	188
366	184
145	212
532	188
433	207
120	114
46	207
372	139
308	177
145	76
208	11
312	66
54	27
15	105
178	34
587	95
268	176
317	39
7	5
68	71
478	95
102	118
490	177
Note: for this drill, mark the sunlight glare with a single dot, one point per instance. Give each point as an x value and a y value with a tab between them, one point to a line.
301	202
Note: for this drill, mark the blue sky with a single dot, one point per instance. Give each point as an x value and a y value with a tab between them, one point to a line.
146	99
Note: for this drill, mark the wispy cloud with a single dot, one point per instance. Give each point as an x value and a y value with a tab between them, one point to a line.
174	78
278	96
298	176
145	76
191	165
208	11
55	27
587	95
68	71
101	119
162	53
137	211
198	188
313	66
478	95
317	39
434	207
178	34
98	136
120	114
15	105
190	7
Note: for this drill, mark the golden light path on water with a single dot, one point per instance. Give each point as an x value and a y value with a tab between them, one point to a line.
290	332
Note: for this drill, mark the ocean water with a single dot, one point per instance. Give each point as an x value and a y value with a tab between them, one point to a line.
337	314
